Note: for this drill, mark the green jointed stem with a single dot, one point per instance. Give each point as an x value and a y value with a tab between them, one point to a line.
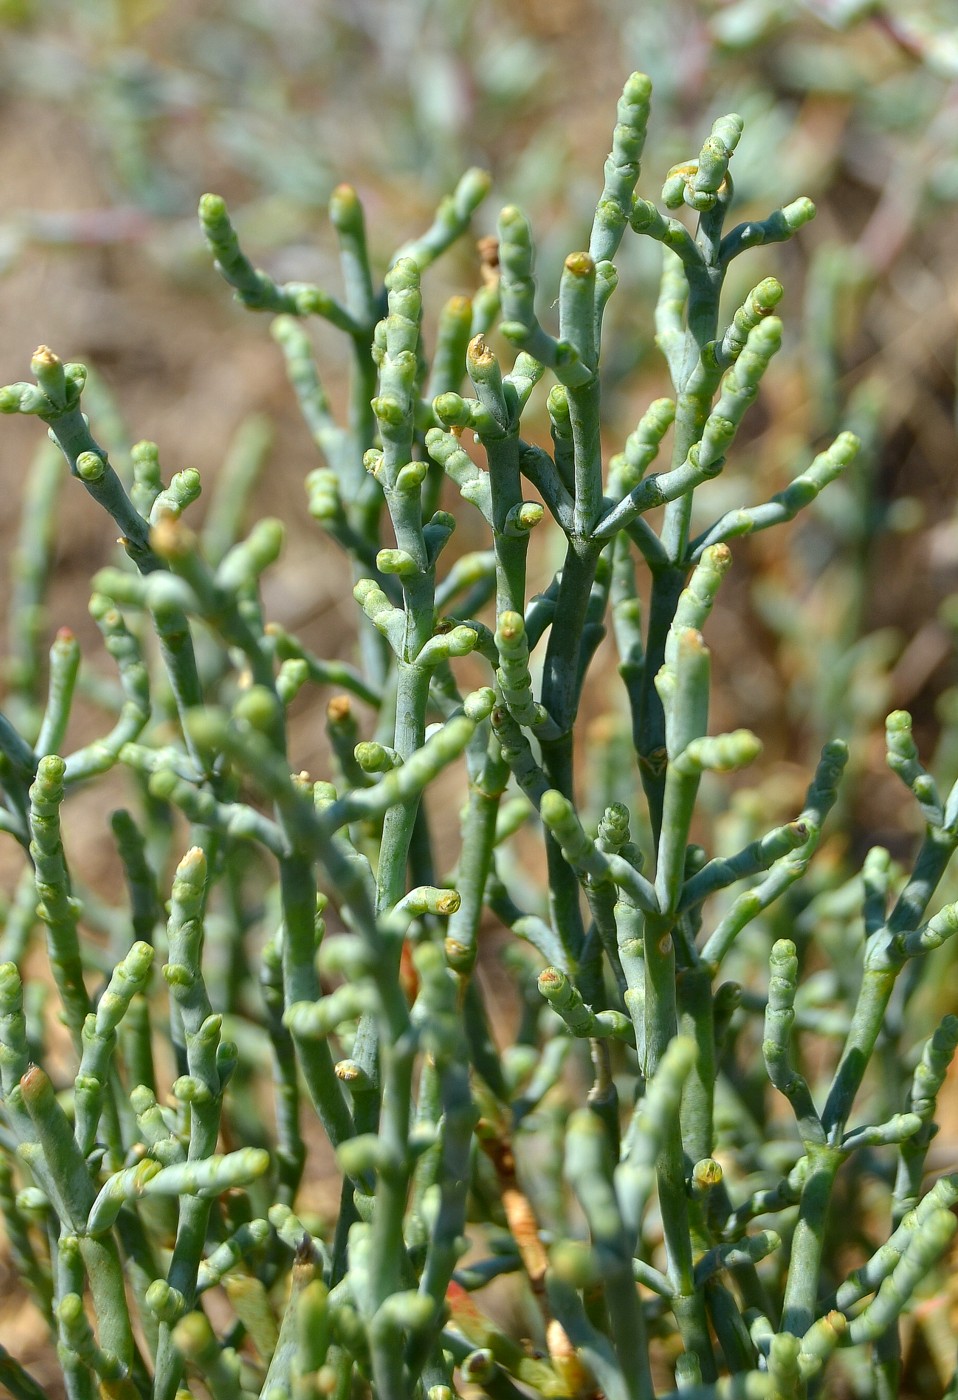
56	905
697	1018
778	227
402	785
445	1040
77	1335
123	647
885	953
14	1049
31	1267
20	759
64	665
757	856
561	687
517	290
451	221
698	183
628	467
589	1169
515	681
779	1019
928	1244
395	409
347	217
99	1043
183	490
928	1081
884	958
500	439
760	302
301	984
55	399
563	997
684	691
487	781
453	335
199	1051
385	1021
870	1276
312	399
73	1200
145	908
207	1178
255	288
196	1344
147	480
622	167
787	869
903	760
582	854
335	673
784	505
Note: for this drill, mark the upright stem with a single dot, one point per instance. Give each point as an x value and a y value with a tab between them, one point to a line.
667	584
587	455
300	983
873	998
691	410
661	1026
411	697
561	683
808	1241
564	903
510	550
696	1020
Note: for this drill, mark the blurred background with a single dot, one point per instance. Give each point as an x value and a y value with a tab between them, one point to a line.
116	115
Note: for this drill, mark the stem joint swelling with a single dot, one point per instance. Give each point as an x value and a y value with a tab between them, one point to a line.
530	1030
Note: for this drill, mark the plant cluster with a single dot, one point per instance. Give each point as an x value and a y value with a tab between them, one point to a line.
670	1235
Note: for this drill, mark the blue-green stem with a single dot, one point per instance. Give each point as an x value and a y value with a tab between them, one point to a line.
695	1000
501	444
56	401
57	907
808	1240
487	781
203	1053
100	1257
401	479
301	983
577	289
588	1166
883	963
704	278
660	1030
881	970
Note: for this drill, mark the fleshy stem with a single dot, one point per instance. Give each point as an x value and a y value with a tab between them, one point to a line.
208	1061
687	323
398	345
55	399
887	949
928	1080
57	907
574	360
684	688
